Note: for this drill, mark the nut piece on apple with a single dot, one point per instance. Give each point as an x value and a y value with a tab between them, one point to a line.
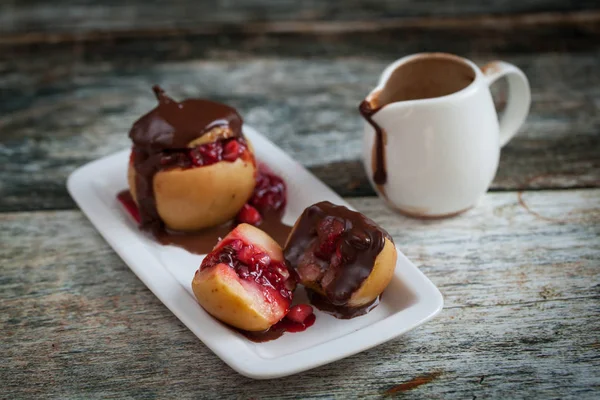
343	257
245	281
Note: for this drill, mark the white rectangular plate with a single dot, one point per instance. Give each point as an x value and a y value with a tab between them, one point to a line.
409	301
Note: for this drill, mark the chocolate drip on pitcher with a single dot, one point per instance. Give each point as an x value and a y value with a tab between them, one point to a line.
170	127
379	170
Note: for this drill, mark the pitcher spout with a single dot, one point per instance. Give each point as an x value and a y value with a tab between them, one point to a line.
373	108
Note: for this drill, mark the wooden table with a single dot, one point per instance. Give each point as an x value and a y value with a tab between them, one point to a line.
520	273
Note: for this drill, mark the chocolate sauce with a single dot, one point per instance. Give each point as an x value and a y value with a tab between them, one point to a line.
379	170
202	242
272	225
277	330
169	128
160	141
356	249
340	312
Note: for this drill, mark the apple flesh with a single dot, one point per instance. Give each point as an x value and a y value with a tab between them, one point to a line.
245	281
208	185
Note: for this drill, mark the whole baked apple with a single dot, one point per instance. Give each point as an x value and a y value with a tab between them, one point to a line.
191	167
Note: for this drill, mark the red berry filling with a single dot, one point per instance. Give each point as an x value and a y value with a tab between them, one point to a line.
299	313
299	318
126	200
249	215
232	150
269	192
252	264
329	230
323	255
269	196
205	154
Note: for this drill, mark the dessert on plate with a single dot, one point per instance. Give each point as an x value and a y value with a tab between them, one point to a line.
191	167
246	283
193	177
344	259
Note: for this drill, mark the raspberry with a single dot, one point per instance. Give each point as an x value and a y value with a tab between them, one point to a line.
299	313
249	215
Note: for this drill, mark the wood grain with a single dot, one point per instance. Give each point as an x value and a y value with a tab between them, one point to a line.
521	287
519	273
77	17
63	106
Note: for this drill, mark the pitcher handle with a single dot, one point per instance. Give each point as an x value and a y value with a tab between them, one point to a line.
519	97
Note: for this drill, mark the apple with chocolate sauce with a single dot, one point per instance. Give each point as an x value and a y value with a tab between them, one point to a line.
193	177
191	167
344	259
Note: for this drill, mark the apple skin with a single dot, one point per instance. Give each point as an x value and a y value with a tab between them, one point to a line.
196	198
235	301
241	303
379	278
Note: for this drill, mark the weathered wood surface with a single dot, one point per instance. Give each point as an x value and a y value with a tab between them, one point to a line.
77	17
520	275
63	106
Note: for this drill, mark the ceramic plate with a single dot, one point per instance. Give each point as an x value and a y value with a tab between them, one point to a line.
409	301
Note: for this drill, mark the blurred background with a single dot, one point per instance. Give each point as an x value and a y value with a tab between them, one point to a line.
75	74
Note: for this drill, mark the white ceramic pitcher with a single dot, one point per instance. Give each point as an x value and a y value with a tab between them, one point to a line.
432	138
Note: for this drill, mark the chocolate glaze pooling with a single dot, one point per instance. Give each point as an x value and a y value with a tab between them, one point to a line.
203	242
169	128
358	247
340	312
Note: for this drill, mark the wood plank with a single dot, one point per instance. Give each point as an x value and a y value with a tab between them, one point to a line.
505	23
521	286
64	105
76	17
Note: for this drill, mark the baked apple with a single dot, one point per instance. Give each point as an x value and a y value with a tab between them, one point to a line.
345	259
245	281
191	167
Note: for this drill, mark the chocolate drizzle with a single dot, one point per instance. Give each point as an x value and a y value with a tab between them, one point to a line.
203	242
379	170
169	128
173	125
340	312
355	250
